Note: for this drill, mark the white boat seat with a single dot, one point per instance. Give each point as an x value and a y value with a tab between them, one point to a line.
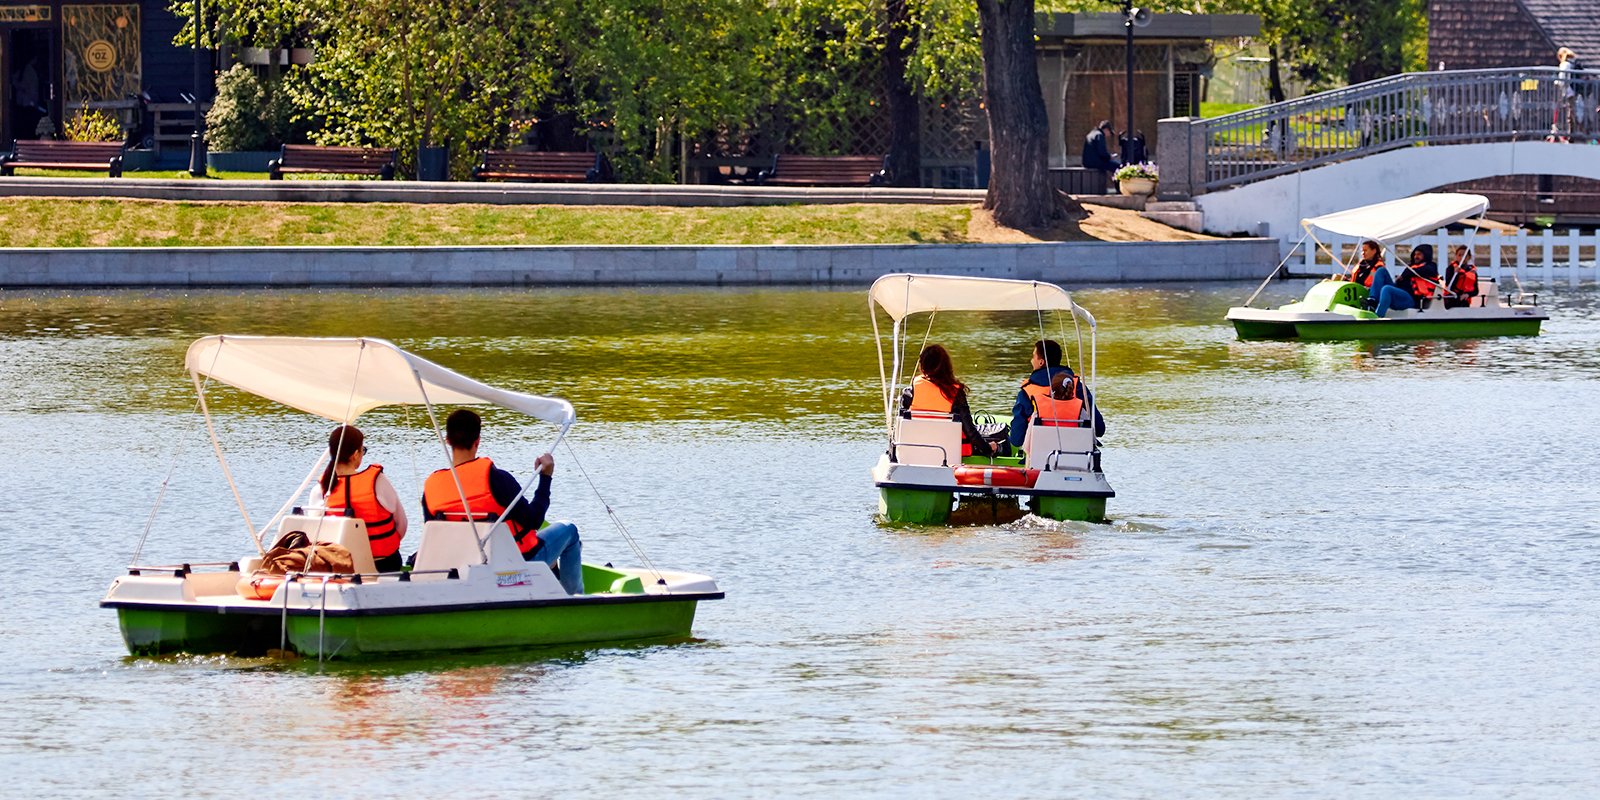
928	442
448	545
1059	447
348	532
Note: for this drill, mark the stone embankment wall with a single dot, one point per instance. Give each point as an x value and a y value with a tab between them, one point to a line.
1074	263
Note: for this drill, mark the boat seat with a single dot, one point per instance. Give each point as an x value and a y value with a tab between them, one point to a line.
448	545
348	532
928	442
1052	447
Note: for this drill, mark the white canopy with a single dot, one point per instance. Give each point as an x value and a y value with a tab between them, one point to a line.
903	294
1397	220
341	379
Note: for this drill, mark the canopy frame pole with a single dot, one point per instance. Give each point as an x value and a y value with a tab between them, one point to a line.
316	467
227	473
883	375
524	490
449	458
1277	269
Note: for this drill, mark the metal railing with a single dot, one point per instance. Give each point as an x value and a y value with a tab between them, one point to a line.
1409	110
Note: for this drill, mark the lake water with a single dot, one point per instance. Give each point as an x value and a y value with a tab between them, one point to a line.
1335	569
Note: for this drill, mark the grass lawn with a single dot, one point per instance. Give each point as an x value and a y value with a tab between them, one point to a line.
75	222
1218	109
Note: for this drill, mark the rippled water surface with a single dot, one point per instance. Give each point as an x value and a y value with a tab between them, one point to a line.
1347	569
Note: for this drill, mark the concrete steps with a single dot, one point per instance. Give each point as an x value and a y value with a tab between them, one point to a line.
1178	214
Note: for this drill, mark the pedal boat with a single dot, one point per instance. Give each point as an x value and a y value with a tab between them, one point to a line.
1332	309
469	589
922	477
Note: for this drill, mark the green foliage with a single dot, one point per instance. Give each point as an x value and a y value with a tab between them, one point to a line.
238	119
404	73
92	126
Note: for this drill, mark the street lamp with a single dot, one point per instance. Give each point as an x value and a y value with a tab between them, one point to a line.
197	140
1131	17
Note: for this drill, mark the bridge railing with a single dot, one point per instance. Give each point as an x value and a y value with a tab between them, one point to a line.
1546	257
1408	110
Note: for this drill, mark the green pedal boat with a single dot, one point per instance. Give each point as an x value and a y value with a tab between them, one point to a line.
1336	309
469	587
922	477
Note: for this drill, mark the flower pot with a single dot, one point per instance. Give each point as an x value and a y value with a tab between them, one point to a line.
1137	187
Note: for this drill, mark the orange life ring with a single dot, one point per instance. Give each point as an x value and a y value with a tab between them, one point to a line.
983	475
260	586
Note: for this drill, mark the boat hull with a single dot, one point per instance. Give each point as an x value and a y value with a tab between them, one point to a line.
1416	329
160	631
928	495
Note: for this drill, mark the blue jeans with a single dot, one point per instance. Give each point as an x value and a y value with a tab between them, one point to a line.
1393	297
560	547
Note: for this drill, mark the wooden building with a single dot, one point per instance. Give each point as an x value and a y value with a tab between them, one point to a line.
1083	71
58	56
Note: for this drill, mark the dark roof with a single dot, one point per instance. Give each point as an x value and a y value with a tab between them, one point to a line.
1102	24
1569	23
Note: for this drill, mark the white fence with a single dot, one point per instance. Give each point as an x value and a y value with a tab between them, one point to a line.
1546	257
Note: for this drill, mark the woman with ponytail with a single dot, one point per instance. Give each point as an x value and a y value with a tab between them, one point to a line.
350	490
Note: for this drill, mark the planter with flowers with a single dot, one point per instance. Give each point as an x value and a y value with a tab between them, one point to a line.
1138	180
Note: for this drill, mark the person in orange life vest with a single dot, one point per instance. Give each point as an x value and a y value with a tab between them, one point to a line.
1421	276
935	390
1461	279
490	490
1036	387
365	493
1366	271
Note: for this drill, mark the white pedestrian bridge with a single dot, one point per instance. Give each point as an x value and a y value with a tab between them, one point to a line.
1262	170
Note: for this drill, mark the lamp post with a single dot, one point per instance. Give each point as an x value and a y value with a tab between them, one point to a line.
1128	13
197	140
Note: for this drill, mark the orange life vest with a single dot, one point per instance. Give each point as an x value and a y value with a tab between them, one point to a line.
1364	276
442	500
1050	411
1464	281
357	496
928	400
927	396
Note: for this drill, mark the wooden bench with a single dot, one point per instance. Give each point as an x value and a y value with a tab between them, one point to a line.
1080	180
826	171
379	161
505	165
47	154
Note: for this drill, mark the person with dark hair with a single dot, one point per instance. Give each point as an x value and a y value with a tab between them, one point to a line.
364	493
1097	148
1461	279
935	391
1033	399
1365	271
476	486
1421	277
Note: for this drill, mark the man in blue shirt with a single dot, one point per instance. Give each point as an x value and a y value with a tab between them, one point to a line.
1046	363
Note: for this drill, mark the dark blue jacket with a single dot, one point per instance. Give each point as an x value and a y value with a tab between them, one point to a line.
1097	151
1022	410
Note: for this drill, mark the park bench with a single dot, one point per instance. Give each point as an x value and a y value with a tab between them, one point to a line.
826	171
47	154
379	161
1080	180
505	165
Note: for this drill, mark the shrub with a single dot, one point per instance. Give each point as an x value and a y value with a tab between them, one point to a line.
238	117
1145	170
93	126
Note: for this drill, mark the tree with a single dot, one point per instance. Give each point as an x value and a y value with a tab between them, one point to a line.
410	73
1020	194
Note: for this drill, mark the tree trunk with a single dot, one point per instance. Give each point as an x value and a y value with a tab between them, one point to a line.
1274	76
1019	187
905	119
